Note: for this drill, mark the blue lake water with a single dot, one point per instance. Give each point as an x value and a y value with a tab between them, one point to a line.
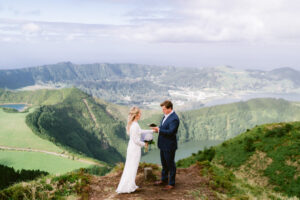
183	151
18	107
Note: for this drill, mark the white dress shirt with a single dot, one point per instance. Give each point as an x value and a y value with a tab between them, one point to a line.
166	116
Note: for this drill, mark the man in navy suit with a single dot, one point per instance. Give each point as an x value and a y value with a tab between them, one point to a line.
167	143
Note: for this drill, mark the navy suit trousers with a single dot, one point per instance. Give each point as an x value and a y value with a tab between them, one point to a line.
168	172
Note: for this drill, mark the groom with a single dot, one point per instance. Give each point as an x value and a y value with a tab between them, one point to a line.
167	143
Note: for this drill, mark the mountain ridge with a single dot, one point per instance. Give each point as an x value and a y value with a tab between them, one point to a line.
147	85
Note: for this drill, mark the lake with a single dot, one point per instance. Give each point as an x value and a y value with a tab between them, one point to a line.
18	107
183	151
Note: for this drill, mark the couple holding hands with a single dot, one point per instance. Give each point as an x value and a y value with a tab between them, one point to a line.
167	143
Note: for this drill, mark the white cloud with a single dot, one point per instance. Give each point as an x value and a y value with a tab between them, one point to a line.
31	28
6	39
271	21
180	21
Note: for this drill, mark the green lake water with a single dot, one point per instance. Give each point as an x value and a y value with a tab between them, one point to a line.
183	151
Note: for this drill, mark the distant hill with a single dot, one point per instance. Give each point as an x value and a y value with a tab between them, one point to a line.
147	86
80	124
223	122
267	155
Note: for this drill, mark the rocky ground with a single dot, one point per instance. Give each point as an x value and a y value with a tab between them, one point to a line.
189	185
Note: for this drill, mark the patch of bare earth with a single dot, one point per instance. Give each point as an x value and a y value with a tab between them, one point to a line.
188	183
274	126
253	169
296	164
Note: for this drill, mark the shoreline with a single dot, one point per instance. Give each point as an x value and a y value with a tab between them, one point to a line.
21	110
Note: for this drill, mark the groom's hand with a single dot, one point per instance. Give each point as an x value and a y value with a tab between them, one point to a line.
155	129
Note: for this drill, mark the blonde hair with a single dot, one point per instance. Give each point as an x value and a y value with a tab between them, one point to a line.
134	111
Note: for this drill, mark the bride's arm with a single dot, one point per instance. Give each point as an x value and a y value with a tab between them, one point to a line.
135	135
146	131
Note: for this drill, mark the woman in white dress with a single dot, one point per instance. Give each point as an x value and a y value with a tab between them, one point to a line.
127	182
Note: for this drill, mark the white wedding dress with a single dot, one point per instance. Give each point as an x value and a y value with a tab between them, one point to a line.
127	182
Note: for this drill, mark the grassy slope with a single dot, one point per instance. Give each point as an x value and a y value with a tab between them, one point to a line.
277	145
21	136
221	180
229	120
267	155
70	124
69	106
35	160
15	133
35	97
71	185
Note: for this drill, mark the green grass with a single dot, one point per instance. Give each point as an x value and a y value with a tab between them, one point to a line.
279	142
226	185
73	184
69	125
72	122
15	133
35	160
35	97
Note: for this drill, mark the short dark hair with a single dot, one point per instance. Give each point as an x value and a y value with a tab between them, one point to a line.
168	104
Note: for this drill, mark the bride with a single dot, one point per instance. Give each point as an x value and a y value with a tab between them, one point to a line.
127	182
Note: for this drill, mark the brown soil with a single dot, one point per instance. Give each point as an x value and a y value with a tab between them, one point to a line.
189	185
254	167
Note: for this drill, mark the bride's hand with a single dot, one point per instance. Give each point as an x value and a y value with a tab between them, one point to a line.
155	129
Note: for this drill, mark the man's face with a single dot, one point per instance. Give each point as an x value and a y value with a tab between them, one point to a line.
165	110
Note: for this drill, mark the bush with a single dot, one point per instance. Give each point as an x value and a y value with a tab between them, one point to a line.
60	187
96	170
278	132
248	146
9	110
9	176
288	127
224	144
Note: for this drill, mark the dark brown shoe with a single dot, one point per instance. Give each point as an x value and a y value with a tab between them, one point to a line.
138	189
158	183
168	187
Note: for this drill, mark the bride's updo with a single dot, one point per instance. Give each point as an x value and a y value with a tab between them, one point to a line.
134	111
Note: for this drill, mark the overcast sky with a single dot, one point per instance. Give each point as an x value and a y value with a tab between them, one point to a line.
260	34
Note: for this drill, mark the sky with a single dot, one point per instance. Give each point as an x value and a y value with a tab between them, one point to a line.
245	34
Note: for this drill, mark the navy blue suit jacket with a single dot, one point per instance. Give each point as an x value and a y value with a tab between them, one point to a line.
167	133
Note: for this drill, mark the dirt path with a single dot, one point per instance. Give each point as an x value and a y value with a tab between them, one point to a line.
51	153
189	185
91	113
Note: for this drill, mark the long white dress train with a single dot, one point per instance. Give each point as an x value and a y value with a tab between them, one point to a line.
127	182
